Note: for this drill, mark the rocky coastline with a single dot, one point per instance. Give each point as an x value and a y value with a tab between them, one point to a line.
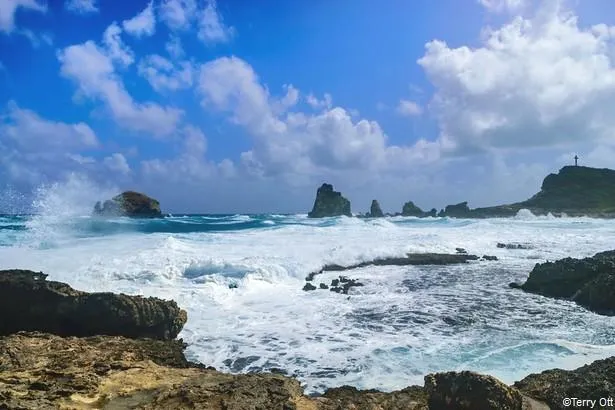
59	352
573	191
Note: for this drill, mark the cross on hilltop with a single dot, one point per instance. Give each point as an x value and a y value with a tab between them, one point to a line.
576	158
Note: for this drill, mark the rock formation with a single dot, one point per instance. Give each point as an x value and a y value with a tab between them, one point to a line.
29	302
460	210
410	209
44	371
590	282
375	211
329	203
129	203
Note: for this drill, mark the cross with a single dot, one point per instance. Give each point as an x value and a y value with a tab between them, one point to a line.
575	161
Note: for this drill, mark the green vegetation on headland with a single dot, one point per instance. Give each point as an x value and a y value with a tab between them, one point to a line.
574	191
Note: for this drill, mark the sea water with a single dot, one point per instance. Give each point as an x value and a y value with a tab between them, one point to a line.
240	278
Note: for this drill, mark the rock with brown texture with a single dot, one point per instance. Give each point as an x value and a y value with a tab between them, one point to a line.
129	203
29	302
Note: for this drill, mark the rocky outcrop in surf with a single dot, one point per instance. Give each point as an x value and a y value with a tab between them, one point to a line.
375	211
29	302
129	203
329	203
410	209
590	282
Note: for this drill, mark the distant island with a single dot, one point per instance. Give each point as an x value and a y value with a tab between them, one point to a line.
574	191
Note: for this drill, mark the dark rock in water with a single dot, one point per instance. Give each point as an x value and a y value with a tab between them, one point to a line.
329	203
472	391
336	289
461	250
513	246
344	279
515	285
308	287
28	302
410	209
489	258
129	203
324	286
375	211
460	210
335	282
590	281
232	286
591	382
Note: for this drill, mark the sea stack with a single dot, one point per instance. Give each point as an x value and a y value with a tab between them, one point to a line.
410	209
129	203
329	203
375	211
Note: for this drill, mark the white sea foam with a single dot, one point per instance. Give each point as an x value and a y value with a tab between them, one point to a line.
242	291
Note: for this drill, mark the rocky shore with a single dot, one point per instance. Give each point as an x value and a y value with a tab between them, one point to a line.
77	360
573	191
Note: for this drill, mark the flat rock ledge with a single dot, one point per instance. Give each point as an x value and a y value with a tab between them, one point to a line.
590	282
39	370
29	302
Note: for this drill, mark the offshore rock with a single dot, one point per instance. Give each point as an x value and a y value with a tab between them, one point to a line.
329	203
129	203
28	302
375	211
590	282
460	210
410	209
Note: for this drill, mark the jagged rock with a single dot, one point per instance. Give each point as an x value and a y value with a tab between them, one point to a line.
591	382
460	210
590	282
410	209
513	246
347	397
375	211
324	286
472	391
329	203
308	287
461	251
29	302
489	258
129	203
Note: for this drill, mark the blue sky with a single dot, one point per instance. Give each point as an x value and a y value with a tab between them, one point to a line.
236	106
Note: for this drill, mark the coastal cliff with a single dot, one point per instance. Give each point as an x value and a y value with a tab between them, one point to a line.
129	369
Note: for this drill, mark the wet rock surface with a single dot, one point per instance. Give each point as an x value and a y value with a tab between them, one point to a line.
329	203
29	302
590	282
129	203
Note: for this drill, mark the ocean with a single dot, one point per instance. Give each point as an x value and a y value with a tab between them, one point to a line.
240	278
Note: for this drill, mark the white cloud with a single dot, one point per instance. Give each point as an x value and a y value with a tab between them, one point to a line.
82	6
36	40
315	103
174	47
298	143
143	24
116	49
163	75
117	162
534	82
8	9
212	29
178	14
93	72
499	6
409	108
30	132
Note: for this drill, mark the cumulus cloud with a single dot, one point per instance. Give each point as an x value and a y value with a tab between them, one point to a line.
315	103
174	47
295	142
117	50
212	29
82	6
541	81
409	108
8	9
143	24
178	14
117	163
30	132
92	69
164	75
499	6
